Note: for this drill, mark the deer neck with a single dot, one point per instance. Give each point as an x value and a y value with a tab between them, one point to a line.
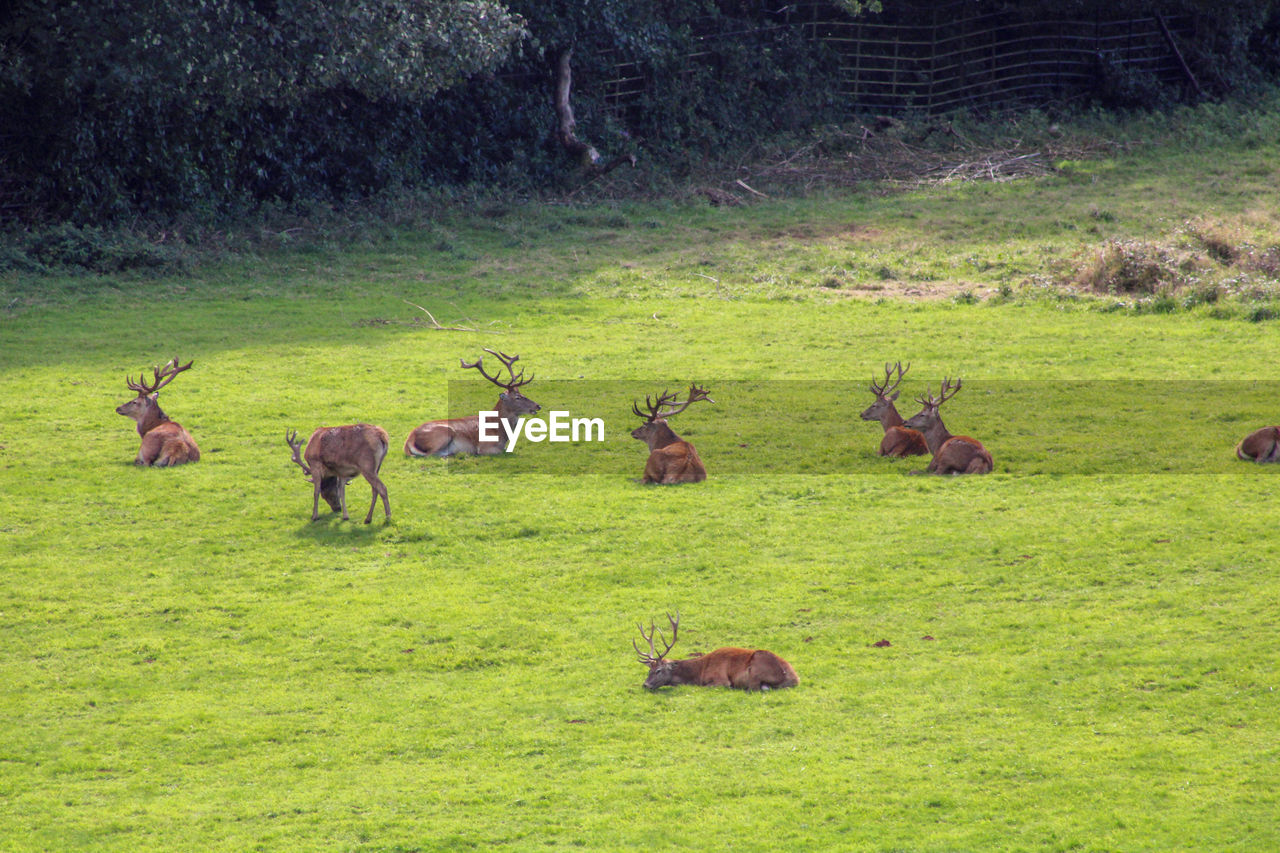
509	420
936	435
890	418
151	417
687	671
661	436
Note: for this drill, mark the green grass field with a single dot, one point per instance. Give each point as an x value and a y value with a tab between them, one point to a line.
1082	650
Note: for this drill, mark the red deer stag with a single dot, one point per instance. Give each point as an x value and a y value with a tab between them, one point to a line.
462	435
334	456
898	440
671	458
952	454
745	669
164	442
1260	446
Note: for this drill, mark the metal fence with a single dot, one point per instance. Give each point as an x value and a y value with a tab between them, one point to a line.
939	57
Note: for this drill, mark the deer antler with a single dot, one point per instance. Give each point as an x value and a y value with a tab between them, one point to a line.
664	399
296	443
517	380
947	393
885	389
163	376
652	657
696	394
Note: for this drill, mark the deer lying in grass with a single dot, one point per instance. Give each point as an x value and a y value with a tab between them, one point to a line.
334	456
671	459
164	442
462	435
744	669
1261	445
898	440
952	454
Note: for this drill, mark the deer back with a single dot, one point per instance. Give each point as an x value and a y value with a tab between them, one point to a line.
345	451
901	441
677	462
961	455
1261	445
447	436
167	444
742	669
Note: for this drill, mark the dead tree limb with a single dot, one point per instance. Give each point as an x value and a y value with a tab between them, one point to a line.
586	154
1173	45
435	324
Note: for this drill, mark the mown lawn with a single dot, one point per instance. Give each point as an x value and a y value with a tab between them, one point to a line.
1082	648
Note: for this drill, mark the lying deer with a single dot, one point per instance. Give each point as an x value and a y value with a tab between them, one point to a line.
1260	445
671	458
952	454
335	455
898	440
745	669
462	435
164	442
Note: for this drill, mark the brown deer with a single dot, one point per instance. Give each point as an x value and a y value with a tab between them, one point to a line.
164	442
335	455
1261	445
671	458
463	435
952	454
898	440
744	669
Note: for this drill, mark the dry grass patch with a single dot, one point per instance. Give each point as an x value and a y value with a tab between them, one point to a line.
1202	256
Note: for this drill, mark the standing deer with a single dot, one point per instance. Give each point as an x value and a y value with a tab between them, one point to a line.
898	440
335	455
952	454
164	442
744	669
671	458
462	435
1260	445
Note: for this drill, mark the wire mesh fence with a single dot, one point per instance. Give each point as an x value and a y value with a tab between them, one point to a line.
937	58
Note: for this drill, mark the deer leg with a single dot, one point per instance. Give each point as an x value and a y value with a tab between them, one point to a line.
315	498
378	490
341	486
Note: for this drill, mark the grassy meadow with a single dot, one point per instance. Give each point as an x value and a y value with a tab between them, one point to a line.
1082	649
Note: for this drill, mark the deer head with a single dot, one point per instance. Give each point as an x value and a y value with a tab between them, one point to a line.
654	431
328	485
886	393
511	402
928	421
661	670
145	408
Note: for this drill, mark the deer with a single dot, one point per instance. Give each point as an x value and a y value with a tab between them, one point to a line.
462	435
952	454
898	440
671	459
743	669
164	442
1261	445
334	456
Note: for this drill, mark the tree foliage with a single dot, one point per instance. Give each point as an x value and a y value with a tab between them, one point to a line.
115	109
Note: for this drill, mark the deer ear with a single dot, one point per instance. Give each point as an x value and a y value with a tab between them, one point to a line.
894	395
502	395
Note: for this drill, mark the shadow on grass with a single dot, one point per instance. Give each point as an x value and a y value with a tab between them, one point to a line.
331	529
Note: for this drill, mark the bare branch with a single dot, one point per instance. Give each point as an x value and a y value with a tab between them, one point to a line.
435	324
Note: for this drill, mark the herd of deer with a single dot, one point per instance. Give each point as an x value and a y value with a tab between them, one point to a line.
336	455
